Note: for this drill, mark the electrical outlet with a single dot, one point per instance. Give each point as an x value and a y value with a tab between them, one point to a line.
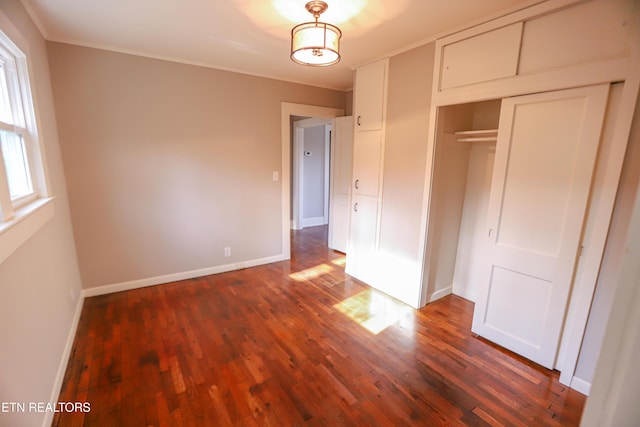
227	251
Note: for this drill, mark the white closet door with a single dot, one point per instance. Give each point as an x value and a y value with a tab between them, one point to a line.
545	156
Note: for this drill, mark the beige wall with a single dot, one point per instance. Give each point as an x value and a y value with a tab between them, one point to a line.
168	163
40	282
408	104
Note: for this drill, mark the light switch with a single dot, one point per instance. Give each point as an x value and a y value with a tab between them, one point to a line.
276	175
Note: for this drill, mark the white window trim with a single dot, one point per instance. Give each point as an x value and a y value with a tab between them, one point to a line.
29	215
24	224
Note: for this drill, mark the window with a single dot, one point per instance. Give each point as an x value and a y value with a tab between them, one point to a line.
25	204
20	164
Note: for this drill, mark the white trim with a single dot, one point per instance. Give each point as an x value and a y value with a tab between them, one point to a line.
298	169
541	7
174	277
297	179
520	15
580	385
185	61
64	360
35	18
440	294
584	289
312	222
593	73
287	110
328	128
312	122
25	223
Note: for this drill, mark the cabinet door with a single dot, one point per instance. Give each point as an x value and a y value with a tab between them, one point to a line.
370	89
362	237
489	56
367	152
545	156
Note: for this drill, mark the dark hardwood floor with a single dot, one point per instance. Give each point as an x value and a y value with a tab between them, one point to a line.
269	346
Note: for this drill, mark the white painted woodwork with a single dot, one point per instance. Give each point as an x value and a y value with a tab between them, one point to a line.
481	58
340	185
370	96
545	156
287	111
366	187
598	30
565	44
310	203
367	157
361	253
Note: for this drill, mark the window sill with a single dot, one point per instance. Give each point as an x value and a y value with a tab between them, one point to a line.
26	222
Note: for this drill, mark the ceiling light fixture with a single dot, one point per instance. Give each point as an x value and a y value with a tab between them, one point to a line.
315	43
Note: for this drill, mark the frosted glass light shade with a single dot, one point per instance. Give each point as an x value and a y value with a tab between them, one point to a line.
315	43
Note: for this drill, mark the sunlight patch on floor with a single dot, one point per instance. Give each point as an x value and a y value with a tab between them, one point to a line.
373	310
340	262
311	273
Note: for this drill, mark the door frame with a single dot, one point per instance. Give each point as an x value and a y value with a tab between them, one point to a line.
287	110
297	182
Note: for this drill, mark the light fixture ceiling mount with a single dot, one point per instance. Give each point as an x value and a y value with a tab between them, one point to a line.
315	43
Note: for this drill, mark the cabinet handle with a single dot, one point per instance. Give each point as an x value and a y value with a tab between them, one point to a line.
358	120
356	184
355	207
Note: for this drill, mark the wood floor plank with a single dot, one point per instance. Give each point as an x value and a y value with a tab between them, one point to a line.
269	346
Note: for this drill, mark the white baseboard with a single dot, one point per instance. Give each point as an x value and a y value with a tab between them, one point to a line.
159	280
581	385
117	287
64	360
312	222
440	294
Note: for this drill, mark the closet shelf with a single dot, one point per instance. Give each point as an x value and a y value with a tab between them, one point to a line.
486	135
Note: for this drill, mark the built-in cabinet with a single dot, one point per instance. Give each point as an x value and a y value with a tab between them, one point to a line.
370	96
528	202
368	149
519	187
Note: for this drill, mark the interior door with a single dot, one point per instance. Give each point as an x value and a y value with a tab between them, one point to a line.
545	156
341	167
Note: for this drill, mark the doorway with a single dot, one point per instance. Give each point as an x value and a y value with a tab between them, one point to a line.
288	111
310	177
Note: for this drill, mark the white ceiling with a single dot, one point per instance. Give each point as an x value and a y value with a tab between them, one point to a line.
253	36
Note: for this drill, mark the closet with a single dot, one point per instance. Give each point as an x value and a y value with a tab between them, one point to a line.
508	226
465	145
